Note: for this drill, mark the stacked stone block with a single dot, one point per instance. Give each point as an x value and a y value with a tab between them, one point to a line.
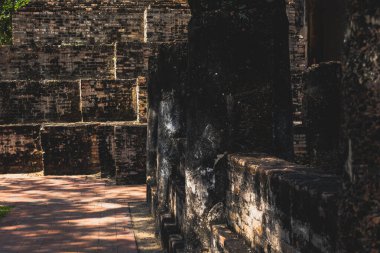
20	149
237	200
75	72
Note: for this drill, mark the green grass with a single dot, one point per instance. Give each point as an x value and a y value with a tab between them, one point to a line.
4	210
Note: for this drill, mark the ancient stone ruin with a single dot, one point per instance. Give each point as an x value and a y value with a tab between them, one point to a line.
255	124
73	85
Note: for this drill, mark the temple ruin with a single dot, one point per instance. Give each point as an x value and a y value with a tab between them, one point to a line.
254	124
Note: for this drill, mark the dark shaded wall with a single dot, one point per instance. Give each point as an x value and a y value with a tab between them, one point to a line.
239	97
359	209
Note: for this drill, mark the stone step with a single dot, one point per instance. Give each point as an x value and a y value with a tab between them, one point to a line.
73	100
30	62
113	148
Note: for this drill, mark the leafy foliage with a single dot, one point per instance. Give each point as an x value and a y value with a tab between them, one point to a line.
7	8
4	210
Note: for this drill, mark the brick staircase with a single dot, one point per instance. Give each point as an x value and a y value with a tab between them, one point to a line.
73	85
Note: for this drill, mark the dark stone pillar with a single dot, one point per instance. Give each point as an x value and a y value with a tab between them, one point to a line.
359	212
239	98
322	114
151	146
172	64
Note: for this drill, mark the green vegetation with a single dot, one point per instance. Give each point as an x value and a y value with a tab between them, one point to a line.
7	8
4	210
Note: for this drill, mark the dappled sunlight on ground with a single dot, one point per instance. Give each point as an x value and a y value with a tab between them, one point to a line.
66	214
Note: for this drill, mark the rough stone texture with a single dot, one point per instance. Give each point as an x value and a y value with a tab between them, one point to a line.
278	206
322	114
39	101
238	65
103	46
172	64
70	149
108	100
56	62
359	209
20	149
70	25
142	99
226	241
130	153
131	60
152	127
106	146
295	10
167	23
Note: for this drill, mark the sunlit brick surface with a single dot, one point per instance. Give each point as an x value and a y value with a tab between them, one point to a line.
66	214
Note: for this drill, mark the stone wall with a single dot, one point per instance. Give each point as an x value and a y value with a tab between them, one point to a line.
83	63
74	26
278	206
56	62
70	101
359	208
70	149
20	149
167	23
39	101
297	49
109	100
130	154
109	148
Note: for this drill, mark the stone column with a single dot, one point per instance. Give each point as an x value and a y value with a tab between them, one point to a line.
359	210
151	146
239	99
322	115
172	64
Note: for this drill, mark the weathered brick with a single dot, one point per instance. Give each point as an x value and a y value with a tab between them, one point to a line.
20	149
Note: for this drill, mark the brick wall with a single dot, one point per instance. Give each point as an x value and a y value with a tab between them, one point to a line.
167	24
78	26
106	142
34	101
56	62
108	100
130	155
75	61
20	149
142	99
70	149
297	51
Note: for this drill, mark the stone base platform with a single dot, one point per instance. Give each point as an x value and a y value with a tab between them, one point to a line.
112	148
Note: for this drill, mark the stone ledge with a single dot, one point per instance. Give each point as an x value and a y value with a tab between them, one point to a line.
277	205
224	240
106	147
